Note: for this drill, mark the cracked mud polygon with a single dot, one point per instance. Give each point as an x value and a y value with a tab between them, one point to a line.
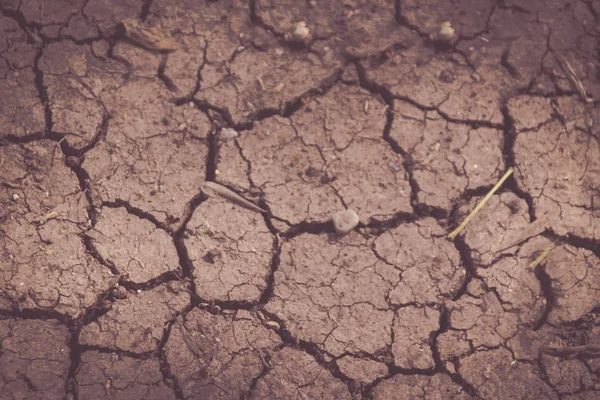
122	279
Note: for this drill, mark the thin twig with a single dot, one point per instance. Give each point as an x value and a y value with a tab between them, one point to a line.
541	256
213	188
573	78
481	204
592	350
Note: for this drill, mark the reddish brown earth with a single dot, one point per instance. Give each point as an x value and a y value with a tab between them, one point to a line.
121	279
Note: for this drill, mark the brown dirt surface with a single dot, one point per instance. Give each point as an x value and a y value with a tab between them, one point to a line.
35	358
124	276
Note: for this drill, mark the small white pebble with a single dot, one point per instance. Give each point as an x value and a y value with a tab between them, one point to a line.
228	133
15	197
301	32
447	31
344	221
394	167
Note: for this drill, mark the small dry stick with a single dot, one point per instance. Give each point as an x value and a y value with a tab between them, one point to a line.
190	342
481	204
212	188
535	228
573	78
542	256
592	350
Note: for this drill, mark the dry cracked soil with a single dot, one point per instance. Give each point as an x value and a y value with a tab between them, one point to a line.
122	279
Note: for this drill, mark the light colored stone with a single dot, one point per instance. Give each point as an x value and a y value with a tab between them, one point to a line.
228	133
344	221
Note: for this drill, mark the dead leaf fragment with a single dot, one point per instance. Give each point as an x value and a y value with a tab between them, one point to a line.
273	325
153	38
212	189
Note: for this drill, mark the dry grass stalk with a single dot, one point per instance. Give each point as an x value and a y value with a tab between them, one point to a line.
573	78
480	205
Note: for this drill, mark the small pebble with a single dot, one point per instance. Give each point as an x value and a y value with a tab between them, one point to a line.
228	133
119	293
476	77
394	167
301	32
15	197
447	31
344	221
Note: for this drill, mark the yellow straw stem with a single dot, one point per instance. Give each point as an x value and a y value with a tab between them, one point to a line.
542	256
480	205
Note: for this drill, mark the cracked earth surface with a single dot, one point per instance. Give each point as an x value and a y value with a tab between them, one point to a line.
121	279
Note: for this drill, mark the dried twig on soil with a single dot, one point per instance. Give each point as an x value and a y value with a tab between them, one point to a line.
45	218
590	350
542	256
149	38
480	204
194	347
535	228
212	189
568	69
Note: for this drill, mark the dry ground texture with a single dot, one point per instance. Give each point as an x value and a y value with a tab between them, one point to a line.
121	279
